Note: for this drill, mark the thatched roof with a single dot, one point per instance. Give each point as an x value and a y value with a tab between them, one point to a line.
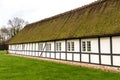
97	19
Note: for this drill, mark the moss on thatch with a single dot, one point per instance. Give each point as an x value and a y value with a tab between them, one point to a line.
97	19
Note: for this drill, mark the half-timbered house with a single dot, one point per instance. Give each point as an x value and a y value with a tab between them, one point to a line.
89	34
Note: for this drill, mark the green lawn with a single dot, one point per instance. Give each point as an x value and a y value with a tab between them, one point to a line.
17	68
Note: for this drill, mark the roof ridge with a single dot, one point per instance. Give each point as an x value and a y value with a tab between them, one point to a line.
70	11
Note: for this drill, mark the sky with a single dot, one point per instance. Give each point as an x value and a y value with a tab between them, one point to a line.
36	10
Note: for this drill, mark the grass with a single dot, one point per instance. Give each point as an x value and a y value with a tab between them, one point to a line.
18	68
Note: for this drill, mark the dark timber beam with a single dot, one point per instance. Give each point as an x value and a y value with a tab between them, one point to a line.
66	50
99	50
80	49
111	50
55	49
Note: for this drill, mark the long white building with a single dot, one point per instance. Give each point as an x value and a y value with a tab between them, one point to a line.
90	34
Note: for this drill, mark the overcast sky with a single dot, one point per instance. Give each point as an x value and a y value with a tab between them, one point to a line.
35	10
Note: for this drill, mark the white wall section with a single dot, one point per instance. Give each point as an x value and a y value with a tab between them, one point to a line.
92	56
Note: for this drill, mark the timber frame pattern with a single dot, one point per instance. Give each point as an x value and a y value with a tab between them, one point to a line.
37	53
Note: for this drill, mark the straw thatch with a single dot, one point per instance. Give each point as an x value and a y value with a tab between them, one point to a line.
97	19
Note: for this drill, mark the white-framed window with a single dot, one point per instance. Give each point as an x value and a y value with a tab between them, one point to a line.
86	46
58	46
48	47
40	47
70	46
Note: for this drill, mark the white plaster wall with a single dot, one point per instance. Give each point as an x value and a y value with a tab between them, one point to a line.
17	47
105	45
36	46
44	46
43	54
14	49
52	55
105	59
76	57
76	45
94	59
84	57
69	56
116	60
48	55
9	47
94	45
34	49
22	49
63	56
30	45
39	53
27	48
30	48
57	55
116	44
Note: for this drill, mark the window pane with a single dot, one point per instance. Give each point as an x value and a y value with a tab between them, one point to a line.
59	47
68	46
49	47
72	46
23	47
83	46
56	46
40	46
88	46
46	47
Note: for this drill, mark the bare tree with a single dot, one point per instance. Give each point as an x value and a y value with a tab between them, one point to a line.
16	24
5	33
4	30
